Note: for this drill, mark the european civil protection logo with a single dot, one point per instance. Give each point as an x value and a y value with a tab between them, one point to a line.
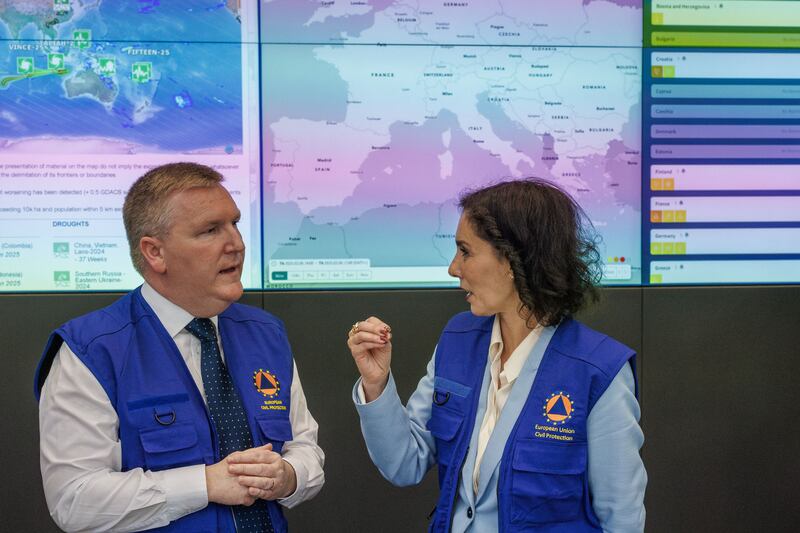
558	408
266	383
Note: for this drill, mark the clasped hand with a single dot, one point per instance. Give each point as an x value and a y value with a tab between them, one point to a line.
246	476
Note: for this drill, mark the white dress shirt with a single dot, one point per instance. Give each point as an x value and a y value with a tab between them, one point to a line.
81	455
502	378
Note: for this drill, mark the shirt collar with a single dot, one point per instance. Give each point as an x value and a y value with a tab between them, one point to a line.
172	317
513	365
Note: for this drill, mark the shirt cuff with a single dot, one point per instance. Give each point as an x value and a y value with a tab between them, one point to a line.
185	489
301	476
360	397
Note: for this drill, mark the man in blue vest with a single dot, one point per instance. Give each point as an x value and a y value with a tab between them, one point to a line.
176	408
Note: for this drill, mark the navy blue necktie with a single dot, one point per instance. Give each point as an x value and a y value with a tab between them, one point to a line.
225	406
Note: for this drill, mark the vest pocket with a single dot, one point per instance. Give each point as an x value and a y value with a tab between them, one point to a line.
444	425
170	446
547	482
276	430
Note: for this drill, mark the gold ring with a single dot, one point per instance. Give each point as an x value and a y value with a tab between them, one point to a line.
353	330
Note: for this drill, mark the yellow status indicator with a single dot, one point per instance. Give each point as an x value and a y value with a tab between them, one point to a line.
656	184
662	71
725	39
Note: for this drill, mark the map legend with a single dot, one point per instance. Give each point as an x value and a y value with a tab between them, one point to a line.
725	177
721	161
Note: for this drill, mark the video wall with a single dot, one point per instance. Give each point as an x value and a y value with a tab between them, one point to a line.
347	130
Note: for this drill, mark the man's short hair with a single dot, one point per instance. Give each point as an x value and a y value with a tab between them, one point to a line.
145	212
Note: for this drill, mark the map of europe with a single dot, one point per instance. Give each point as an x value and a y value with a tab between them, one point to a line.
379	114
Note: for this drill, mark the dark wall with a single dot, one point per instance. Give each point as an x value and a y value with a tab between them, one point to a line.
717	368
721	408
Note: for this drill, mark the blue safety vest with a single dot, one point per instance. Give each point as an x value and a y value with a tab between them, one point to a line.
543	481
163	421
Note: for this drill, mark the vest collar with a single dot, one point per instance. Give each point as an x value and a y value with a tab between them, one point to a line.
173	317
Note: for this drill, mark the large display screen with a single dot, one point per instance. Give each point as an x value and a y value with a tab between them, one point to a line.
722	142
377	115
92	95
347	130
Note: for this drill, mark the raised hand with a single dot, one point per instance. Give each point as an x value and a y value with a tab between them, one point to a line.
370	344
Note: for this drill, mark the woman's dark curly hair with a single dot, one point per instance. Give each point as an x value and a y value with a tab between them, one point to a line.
546	238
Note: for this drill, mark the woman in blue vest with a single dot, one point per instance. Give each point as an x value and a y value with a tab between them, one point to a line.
530	416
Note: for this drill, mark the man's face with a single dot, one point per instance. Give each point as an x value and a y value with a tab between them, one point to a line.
203	251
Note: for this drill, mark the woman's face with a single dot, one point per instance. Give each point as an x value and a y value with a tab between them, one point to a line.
484	275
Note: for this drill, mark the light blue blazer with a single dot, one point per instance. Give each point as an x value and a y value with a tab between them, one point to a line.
404	450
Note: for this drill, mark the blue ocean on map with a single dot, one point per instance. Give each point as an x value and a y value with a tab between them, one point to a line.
152	113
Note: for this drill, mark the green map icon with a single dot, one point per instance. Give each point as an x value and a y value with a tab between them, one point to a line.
24	65
61	276
82	38
141	71
60	248
61	6
55	61
107	66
